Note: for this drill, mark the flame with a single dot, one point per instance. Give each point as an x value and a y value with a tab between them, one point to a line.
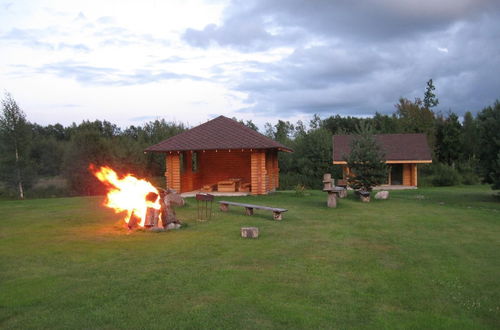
127	194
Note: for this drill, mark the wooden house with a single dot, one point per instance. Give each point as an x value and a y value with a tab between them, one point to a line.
403	152
221	155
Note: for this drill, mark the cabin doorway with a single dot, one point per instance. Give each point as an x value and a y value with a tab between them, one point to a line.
396	174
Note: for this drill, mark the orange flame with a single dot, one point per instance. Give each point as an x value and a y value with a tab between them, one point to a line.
127	194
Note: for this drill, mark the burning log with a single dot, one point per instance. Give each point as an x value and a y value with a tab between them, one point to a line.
168	198
133	221
152	214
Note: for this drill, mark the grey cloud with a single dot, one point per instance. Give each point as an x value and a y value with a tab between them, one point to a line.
244	35
354	77
263	24
92	75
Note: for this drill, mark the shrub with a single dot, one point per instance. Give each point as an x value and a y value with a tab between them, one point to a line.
444	175
468	173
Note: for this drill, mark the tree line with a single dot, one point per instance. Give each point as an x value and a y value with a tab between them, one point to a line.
53	160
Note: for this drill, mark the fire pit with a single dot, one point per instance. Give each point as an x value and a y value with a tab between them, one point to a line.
145	205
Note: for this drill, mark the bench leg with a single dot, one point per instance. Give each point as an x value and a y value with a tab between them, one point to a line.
277	216
248	211
224	207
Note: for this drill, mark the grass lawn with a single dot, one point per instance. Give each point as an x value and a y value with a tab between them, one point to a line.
427	258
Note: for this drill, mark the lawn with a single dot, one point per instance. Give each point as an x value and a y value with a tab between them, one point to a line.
427	258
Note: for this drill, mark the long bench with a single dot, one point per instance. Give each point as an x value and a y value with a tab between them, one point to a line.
277	212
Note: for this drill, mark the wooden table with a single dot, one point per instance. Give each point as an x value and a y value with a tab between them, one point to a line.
229	185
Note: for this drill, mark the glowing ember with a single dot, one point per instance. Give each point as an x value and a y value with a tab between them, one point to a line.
128	194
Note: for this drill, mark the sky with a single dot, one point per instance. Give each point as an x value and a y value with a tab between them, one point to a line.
189	61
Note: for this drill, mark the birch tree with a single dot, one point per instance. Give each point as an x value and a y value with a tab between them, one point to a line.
14	141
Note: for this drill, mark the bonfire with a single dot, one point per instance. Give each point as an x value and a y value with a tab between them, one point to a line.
143	204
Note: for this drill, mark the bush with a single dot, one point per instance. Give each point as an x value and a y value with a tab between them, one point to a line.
444	175
468	173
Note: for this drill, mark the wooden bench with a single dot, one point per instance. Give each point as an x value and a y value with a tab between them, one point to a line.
224	206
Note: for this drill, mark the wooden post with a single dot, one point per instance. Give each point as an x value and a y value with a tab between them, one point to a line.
332	199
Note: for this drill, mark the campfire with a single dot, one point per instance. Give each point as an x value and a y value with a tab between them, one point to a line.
144	205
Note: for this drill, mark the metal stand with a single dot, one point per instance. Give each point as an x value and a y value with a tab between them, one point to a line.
204	213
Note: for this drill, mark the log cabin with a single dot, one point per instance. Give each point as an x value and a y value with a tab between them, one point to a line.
221	155
403	153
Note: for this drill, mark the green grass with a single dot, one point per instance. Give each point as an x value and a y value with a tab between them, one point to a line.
427	258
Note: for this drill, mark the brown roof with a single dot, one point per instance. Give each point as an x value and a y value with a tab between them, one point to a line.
395	146
219	133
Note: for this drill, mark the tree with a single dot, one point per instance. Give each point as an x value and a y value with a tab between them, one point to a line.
488	121
248	123
312	157
414	117
470	137
449	139
15	144
430	99
365	161
384	124
87	146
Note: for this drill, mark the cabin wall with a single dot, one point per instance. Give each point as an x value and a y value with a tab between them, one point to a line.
406	175
272	170
259	173
414	175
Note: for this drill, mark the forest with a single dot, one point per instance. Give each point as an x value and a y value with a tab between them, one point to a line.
53	160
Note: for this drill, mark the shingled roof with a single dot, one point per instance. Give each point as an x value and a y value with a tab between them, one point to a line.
217	134
396	147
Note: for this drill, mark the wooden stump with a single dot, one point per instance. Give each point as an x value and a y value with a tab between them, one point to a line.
343	193
249	232
364	196
332	199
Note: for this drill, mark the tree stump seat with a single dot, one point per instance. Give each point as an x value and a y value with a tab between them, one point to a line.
277	212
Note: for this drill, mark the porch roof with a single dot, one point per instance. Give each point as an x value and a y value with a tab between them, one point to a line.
218	134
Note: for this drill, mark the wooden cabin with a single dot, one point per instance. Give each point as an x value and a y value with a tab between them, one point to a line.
403	153
221	155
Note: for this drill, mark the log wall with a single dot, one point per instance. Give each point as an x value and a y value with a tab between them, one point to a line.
259	173
173	175
410	174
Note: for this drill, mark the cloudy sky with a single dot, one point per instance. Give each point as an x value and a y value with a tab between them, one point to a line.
134	61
